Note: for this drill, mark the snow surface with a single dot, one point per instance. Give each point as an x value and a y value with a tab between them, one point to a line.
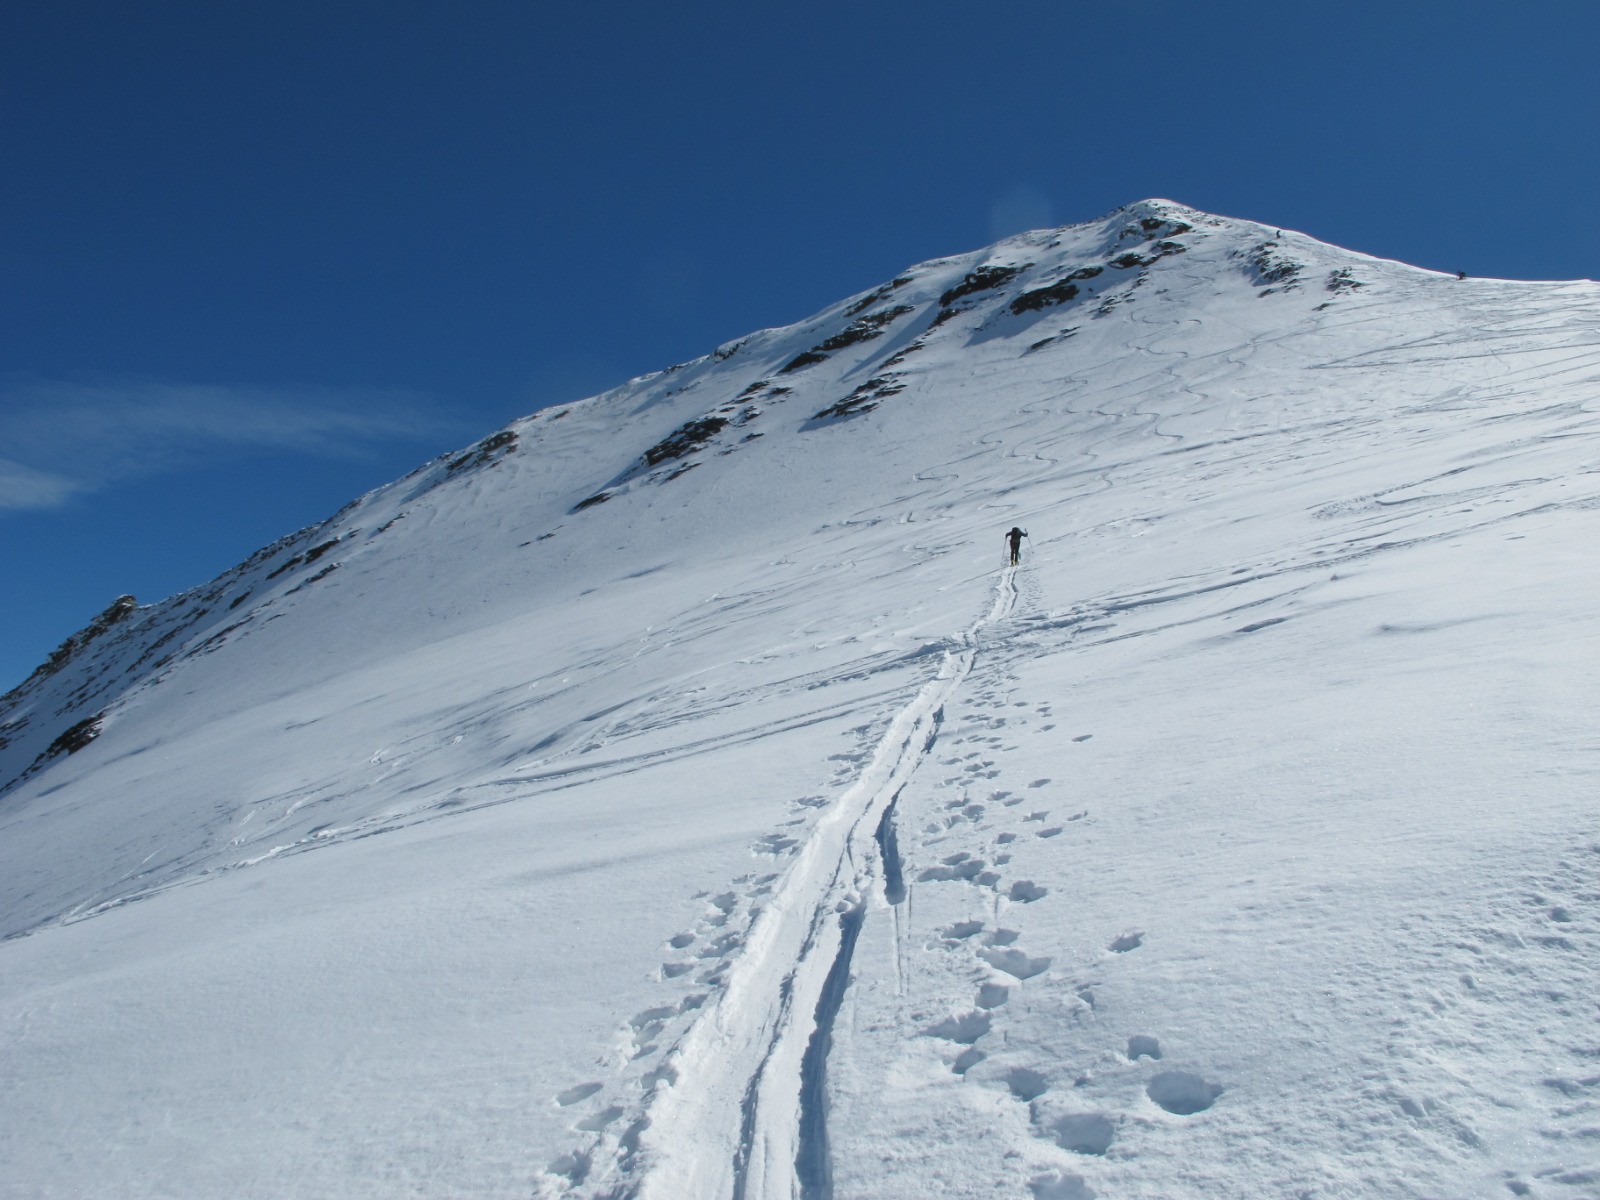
752	831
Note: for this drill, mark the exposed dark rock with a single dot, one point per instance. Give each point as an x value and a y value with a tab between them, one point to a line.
239	599
1343	279
1150	228
1042	298
687	437
1060	292
867	301
894	360
863	400
1052	340
980	280
1271	270
864	329
681	442
317	552
1166	248
805	359
170	635
739	414
1127	261
310	579
486	450
287	564
76	737
1109	303
216	639
115	613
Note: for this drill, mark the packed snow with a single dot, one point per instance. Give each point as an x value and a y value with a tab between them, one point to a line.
677	794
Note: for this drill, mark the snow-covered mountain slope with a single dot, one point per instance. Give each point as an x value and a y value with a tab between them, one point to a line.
674	794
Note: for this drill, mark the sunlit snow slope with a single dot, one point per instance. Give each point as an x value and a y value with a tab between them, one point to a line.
674	795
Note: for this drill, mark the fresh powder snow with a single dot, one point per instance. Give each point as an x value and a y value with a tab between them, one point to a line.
677	795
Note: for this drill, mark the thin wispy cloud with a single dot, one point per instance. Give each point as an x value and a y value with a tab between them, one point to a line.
60	440
26	488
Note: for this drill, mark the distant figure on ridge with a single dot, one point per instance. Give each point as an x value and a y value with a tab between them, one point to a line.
1015	537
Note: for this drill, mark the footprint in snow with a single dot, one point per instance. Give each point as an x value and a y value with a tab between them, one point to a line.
1081	1133
1026	1084
961	930
723	946
1142	1046
1053	831
575	1094
1059	1185
650	1021
572	1167
597	1122
1015	963
966	1060
964	868
992	995
963	1030
664	1075
1128	941
1182	1093
1025	891
1039	783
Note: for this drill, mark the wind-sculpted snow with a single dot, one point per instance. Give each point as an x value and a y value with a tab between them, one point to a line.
674	793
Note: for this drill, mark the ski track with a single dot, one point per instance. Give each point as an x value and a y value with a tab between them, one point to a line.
741	1112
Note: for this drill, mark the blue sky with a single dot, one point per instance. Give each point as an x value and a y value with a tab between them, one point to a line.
258	259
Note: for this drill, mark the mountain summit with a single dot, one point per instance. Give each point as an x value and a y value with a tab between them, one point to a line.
677	794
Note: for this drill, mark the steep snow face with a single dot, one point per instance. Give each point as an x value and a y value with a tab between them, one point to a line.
674	793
